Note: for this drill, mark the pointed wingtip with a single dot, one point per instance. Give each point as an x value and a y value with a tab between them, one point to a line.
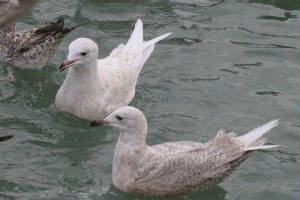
252	136
168	34
274	122
155	40
269	125
136	37
165	35
261	147
58	25
68	30
139	21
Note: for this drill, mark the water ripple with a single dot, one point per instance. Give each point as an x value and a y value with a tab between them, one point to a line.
196	79
272	93
257	45
230	71
248	65
269	34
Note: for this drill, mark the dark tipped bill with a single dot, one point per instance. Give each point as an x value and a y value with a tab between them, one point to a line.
5	138
99	123
66	64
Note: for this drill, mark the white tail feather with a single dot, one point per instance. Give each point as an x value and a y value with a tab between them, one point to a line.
251	137
137	45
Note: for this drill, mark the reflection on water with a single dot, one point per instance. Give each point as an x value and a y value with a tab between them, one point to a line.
216	193
228	64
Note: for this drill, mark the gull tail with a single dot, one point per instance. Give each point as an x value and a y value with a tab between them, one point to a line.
137	43
252	139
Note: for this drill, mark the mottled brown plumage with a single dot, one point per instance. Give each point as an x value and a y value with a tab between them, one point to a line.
33	47
175	168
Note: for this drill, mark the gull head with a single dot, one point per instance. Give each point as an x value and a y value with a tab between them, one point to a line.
82	53
125	119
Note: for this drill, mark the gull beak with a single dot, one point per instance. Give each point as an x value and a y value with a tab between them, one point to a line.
99	123
5	138
66	64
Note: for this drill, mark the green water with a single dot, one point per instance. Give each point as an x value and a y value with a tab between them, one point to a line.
231	64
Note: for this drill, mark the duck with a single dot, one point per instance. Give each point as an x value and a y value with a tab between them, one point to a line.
31	48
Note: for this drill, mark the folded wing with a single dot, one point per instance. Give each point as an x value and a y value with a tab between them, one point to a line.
136	51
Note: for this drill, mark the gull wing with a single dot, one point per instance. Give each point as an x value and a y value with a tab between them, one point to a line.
200	167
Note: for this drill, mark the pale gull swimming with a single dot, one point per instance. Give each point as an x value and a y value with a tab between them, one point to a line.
32	47
175	167
12	10
94	88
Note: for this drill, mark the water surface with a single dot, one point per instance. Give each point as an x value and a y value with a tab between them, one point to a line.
229	64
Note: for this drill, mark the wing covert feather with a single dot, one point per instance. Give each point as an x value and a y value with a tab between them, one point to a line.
191	167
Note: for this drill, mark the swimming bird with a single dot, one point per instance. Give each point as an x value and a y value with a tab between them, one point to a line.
93	87
12	10
32	47
174	168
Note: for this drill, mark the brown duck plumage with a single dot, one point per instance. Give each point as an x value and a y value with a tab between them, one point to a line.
33	47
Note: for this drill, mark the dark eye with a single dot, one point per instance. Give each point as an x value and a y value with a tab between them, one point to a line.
119	118
83	53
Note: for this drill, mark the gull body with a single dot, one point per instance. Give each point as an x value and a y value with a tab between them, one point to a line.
175	167
93	87
31	48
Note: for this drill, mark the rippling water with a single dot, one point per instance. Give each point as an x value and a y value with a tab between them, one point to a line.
229	64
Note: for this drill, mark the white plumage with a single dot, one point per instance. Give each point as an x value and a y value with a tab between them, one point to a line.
94	88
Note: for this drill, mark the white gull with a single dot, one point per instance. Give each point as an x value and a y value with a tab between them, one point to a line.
94	88
176	167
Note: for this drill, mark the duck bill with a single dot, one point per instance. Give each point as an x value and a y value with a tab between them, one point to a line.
99	123
66	64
